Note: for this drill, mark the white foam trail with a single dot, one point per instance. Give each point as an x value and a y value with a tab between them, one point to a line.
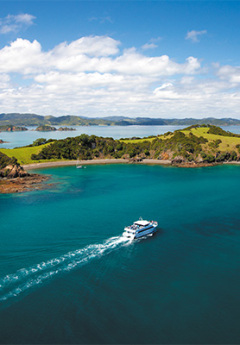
14	284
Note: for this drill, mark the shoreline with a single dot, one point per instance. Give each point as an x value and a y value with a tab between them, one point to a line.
115	161
92	162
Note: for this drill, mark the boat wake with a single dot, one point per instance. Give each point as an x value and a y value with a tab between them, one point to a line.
13	285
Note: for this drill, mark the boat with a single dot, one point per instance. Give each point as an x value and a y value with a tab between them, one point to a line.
79	166
140	228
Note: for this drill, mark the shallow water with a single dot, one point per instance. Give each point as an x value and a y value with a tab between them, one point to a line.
67	276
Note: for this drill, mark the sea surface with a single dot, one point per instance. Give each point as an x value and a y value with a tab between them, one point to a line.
68	277
17	139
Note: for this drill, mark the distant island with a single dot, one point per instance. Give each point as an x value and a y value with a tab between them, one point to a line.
62	129
45	128
12	128
18	119
194	146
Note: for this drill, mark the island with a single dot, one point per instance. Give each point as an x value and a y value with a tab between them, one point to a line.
197	145
194	146
45	128
66	129
12	128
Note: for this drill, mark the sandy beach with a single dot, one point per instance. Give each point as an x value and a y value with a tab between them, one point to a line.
92	162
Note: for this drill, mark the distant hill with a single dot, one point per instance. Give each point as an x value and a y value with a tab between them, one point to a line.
17	119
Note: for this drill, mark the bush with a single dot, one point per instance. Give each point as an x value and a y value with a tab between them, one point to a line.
146	152
233	156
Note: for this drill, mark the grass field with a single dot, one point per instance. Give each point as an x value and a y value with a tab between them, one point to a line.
23	154
227	144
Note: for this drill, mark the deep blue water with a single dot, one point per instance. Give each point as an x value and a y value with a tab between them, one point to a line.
68	277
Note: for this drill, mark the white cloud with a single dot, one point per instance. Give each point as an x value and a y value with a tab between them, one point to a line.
230	73
14	23
147	46
93	77
151	44
194	35
88	54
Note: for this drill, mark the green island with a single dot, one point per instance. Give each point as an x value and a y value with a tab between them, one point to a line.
192	146
45	128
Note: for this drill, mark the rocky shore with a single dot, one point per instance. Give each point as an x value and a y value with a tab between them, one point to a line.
23	184
14	179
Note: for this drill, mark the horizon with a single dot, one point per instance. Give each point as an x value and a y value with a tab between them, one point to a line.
126	117
114	58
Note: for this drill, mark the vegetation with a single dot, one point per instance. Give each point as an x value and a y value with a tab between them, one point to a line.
40	141
5	160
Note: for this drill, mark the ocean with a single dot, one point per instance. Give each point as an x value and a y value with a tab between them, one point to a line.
68	277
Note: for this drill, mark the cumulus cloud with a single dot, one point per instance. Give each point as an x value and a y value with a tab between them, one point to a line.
194	35
92	76
89	54
14	23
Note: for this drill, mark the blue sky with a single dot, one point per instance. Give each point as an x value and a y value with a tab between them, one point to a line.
132	58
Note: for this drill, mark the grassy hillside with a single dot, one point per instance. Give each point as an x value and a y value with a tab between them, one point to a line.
228	142
23	154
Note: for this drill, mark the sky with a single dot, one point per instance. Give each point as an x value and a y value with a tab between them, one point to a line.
168	59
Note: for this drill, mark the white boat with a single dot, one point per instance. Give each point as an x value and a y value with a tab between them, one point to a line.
140	228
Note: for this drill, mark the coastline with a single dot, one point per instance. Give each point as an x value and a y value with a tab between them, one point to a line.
114	161
93	162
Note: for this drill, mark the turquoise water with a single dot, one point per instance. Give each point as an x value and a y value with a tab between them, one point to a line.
67	276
